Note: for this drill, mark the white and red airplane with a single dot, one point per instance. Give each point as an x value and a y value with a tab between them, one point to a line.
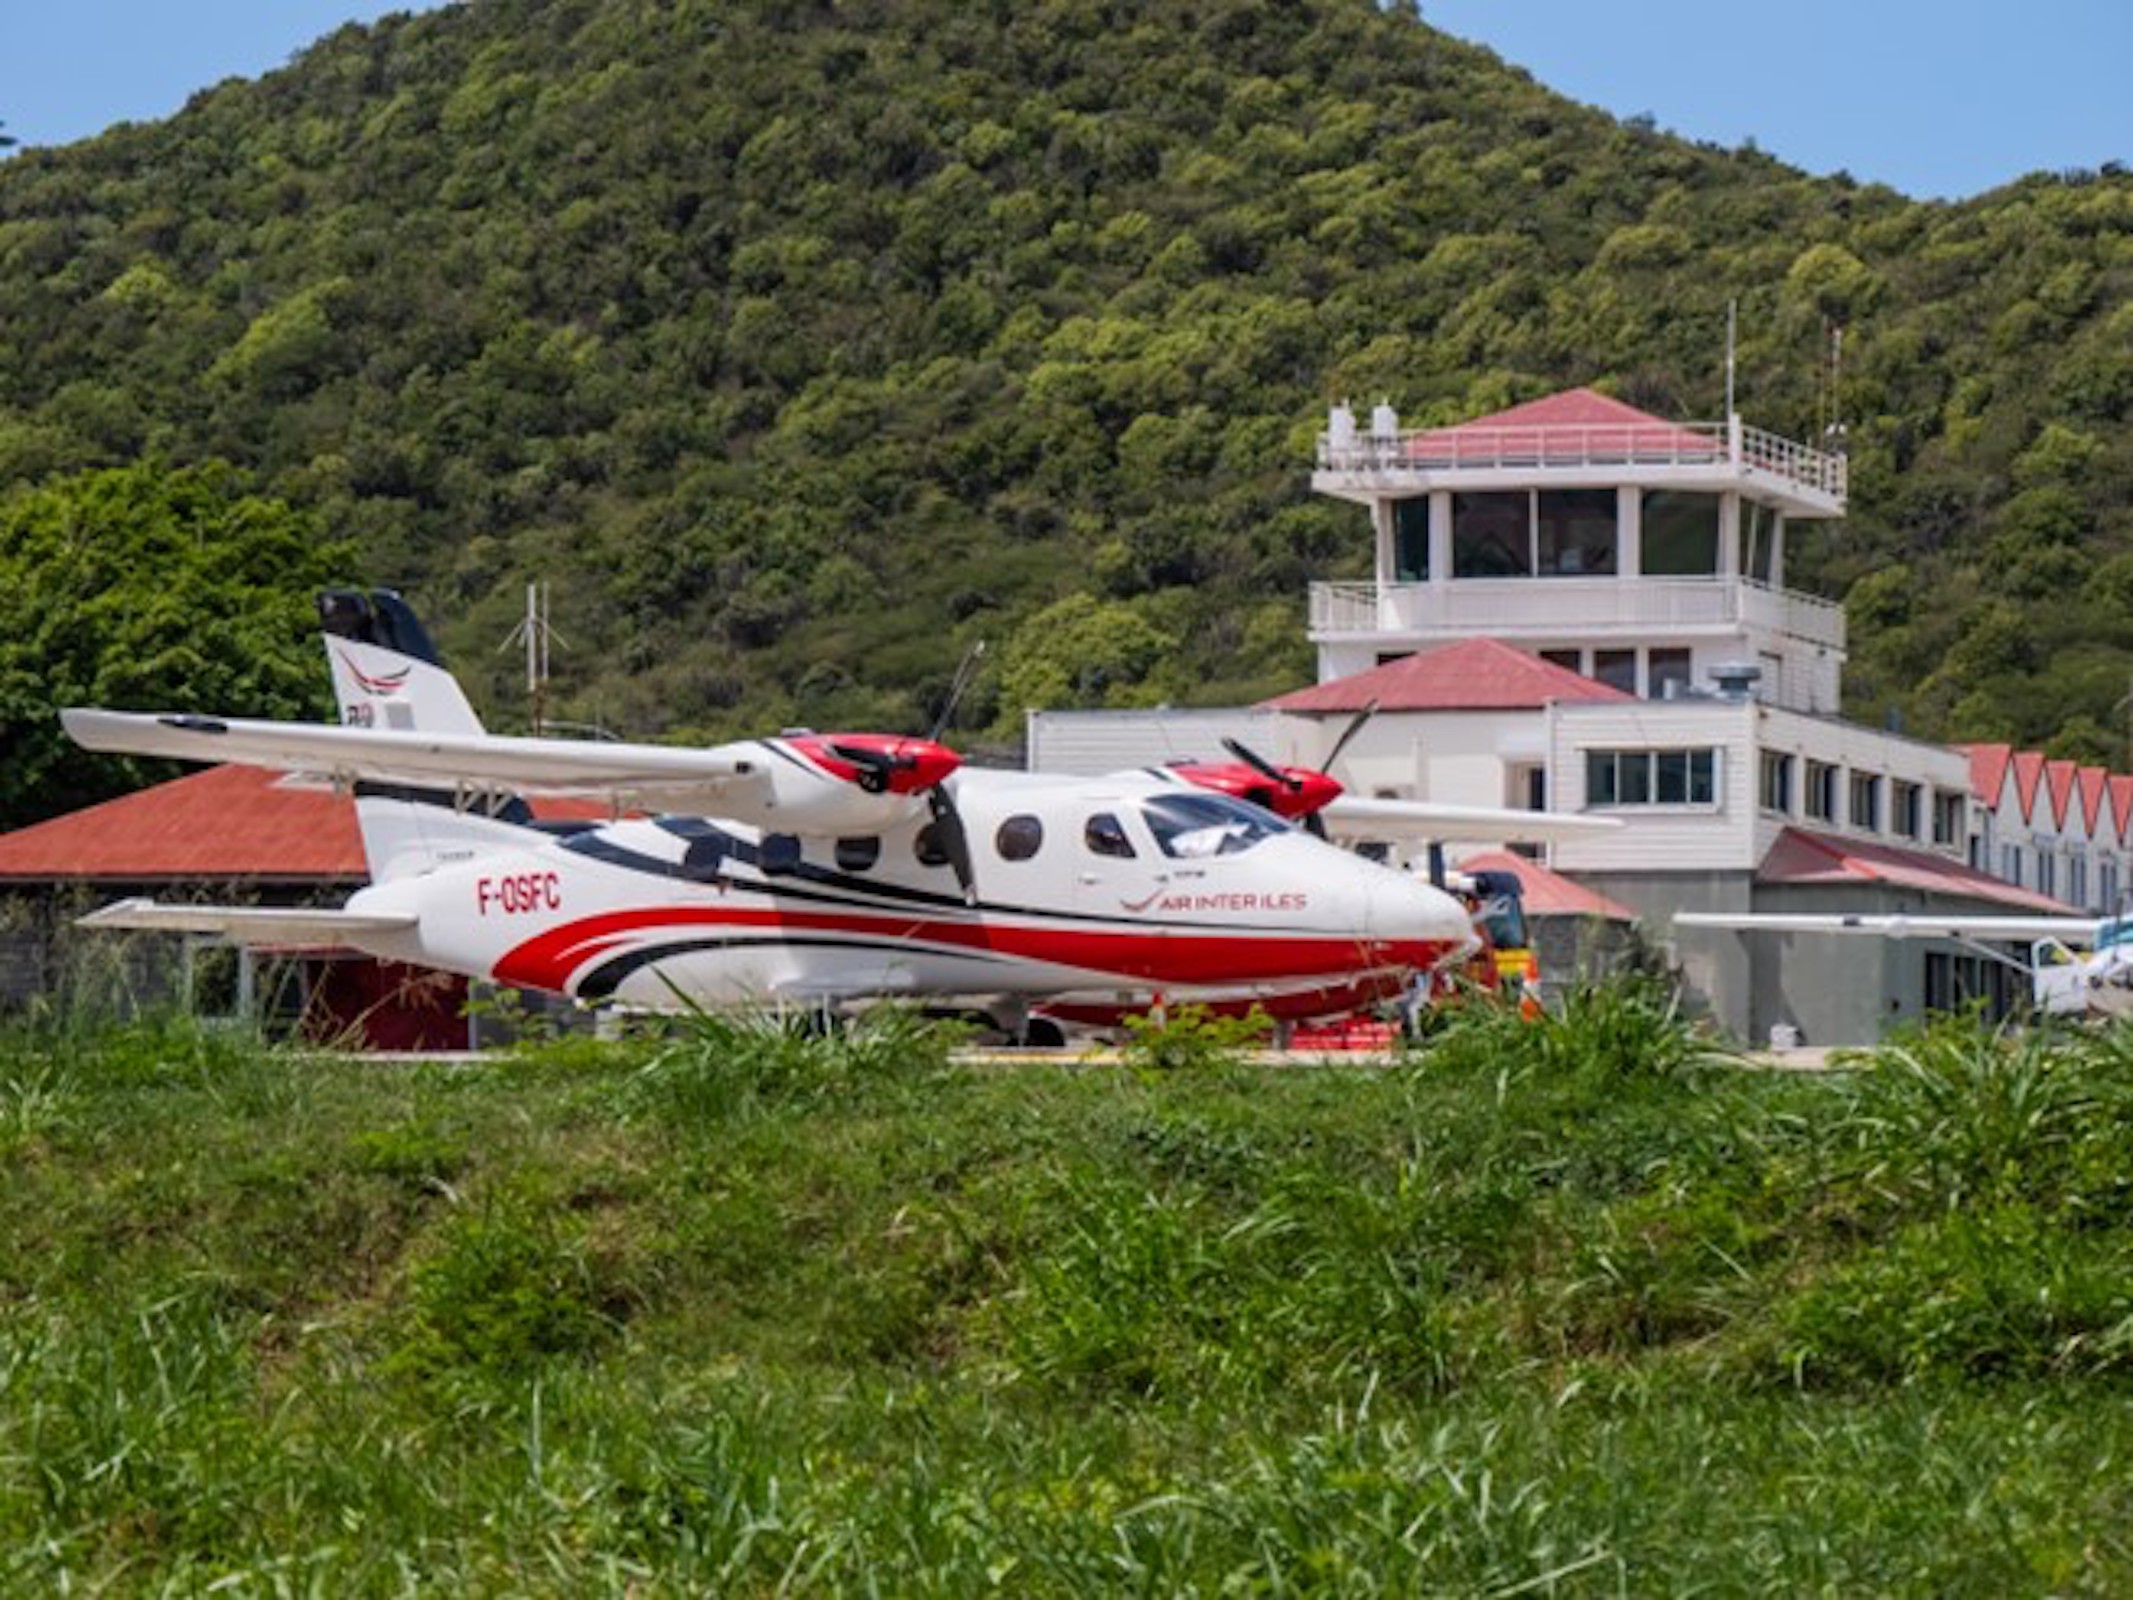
825	869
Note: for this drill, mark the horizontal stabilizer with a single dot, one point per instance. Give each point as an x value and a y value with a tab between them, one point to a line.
250	925
473	761
1353	817
1895	925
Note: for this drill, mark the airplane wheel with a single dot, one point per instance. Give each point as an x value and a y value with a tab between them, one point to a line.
1042	1033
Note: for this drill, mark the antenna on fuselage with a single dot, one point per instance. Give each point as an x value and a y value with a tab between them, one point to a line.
963	674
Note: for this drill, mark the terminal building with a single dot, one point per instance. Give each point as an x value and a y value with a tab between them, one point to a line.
1579	606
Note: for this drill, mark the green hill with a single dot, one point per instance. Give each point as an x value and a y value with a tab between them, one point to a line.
799	345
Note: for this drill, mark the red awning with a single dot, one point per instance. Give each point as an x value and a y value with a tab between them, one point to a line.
1801	857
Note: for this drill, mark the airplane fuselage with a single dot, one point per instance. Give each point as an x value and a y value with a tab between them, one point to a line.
1111	889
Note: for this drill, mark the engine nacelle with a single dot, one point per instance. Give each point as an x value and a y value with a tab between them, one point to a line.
844	783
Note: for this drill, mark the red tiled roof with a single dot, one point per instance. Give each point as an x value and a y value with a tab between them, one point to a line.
218	823
1573	423
1469	675
1988	770
1798	856
2093	781
2059	777
2029	772
1547	893
2121	789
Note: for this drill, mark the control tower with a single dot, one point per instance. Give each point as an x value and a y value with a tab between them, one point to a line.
1643	553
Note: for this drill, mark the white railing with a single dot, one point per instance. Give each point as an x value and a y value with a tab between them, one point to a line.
1662	444
1567	607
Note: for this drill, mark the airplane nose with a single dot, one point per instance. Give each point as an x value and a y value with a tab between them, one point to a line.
1421	923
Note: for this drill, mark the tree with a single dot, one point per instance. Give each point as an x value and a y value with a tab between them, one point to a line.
147	589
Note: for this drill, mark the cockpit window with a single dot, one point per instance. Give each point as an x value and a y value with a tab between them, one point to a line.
1105	835
1190	826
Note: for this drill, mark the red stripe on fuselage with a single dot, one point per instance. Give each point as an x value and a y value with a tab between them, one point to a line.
1162	956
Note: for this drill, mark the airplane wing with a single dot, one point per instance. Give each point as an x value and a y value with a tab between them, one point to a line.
1896	925
1353	817
664	773
248	925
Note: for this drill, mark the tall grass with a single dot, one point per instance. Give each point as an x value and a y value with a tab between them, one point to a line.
1544	1310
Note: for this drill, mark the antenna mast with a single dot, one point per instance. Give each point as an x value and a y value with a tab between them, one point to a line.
534	632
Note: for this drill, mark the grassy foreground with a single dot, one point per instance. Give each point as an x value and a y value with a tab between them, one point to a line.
1561	1309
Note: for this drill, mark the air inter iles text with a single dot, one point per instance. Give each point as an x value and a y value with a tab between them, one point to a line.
1235	900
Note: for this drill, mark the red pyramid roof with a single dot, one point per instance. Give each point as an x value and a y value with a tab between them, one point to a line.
2121	790
2029	773
1469	675
1547	893
1574	425
2060	776
1798	856
2093	781
1988	770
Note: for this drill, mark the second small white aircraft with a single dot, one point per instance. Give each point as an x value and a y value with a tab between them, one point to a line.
817	868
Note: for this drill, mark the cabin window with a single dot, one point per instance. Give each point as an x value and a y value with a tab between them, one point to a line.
704	861
1410	540
779	853
1574	533
1019	838
1680	534
1651	777
1105	835
1490	536
858	854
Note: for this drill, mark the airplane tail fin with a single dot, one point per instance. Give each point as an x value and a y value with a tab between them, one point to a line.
386	672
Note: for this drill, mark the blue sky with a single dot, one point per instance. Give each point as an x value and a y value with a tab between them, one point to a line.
1940	98
1937	98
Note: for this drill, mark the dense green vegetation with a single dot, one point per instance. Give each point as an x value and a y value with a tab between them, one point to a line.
799	345
1568	1308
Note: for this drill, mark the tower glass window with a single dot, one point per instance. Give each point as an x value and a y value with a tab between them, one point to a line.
1574	532
1490	536
1680	534
1410	539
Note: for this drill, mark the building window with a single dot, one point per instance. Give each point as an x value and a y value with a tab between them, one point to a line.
2011	863
1903	809
2107	886
1410	540
1758	540
1573	659
2077	879
1680	534
1777	782
2047	871
1948	818
1664	667
1616	668
1821	796
1574	532
1865	810
1651	777
1491	536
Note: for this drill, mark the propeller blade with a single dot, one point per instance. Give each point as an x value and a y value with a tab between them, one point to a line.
1333	756
874	766
964	669
1259	764
954	839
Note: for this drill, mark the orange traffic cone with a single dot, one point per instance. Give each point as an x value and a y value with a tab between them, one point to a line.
1529	997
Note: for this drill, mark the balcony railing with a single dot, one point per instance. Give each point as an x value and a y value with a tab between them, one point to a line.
1568	607
1686	444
